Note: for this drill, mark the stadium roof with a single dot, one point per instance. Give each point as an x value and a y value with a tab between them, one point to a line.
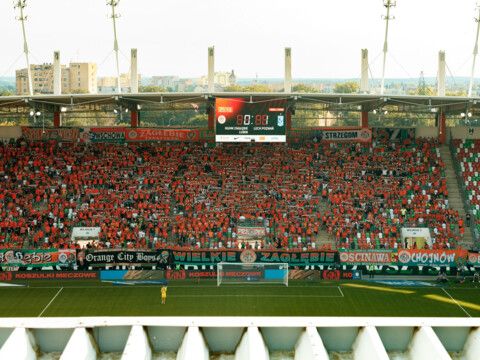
450	105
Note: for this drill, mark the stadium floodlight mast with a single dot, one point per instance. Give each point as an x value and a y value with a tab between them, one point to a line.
21	4
475	51
388	4
113	4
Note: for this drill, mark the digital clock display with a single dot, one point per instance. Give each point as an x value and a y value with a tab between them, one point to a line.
239	120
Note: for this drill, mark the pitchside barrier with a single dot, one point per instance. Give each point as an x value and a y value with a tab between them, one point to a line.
200	274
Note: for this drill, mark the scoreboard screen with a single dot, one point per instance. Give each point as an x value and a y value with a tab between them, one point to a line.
239	121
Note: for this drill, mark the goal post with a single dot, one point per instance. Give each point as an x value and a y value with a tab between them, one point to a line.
252	273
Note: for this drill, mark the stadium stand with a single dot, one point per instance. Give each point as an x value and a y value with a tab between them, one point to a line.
176	194
468	153
377	191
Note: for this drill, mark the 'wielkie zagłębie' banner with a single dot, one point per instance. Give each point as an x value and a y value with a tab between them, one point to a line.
264	256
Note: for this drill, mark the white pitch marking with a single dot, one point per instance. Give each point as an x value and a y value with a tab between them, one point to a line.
461	307
50	302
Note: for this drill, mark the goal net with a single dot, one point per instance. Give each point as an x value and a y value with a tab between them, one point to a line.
253	273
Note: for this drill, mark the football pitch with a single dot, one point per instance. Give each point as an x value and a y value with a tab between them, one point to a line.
190	298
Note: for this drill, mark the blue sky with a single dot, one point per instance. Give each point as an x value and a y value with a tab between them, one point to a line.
249	36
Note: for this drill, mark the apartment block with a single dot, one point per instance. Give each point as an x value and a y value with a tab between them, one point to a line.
79	76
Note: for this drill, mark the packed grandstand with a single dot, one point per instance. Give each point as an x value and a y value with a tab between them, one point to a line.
194	195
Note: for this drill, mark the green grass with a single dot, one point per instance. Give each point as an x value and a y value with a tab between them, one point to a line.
188	298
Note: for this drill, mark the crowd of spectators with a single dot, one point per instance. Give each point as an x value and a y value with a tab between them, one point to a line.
152	195
468	154
376	190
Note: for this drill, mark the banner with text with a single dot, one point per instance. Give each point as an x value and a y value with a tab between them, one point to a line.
49	275
47	134
343	134
28	258
251	231
122	257
264	256
422	257
161	135
368	257
94	134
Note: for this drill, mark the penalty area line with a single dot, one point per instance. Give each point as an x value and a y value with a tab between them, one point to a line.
46	307
259	295
461	307
341	292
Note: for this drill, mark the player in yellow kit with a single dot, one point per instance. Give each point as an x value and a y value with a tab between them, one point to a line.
164	294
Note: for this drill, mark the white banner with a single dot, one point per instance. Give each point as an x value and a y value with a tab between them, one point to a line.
415	232
250	231
416	238
85	232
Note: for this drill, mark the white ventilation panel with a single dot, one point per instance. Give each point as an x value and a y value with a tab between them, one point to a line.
232	338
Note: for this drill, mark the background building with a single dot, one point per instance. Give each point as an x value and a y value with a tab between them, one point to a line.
108	84
79	77
222	79
83	76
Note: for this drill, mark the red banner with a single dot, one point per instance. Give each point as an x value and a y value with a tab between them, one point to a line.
161	135
48	275
56	134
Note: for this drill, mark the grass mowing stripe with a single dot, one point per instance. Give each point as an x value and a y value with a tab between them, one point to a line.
46	307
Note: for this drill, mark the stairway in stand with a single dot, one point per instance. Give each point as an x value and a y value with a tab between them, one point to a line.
454	195
322	238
